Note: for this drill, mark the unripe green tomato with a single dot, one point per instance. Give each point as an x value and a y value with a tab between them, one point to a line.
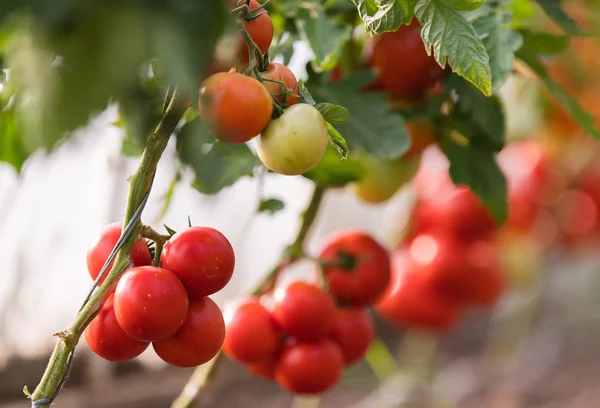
295	142
383	178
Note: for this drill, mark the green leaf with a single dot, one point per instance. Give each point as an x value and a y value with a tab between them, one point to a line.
529	55
334	172
325	37
11	149
271	205
216	164
553	10
501	43
543	43
454	40
478	170
370	123
338	141
385	15
464	4
305	94
481	119
334	114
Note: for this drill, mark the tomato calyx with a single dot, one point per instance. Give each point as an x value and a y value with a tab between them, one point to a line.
244	11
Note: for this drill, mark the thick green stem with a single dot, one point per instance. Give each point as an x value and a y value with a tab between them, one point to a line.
139	184
203	375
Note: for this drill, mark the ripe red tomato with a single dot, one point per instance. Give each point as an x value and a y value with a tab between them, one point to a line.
353	332
410	301
369	268
304	311
200	338
402	63
281	73
263	369
260	30
150	303
107	339
309	368
252	334
202	258
467	273
578	217
237	107
102	246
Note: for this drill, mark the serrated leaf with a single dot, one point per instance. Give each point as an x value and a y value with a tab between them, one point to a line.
555	12
501	43
334	172
370	123
325	37
528	54
305	93
483	116
385	15
216	164
338	141
479	170
454	40
464	4
271	205
334	114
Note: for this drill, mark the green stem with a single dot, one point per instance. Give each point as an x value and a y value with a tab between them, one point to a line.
203	375
139	184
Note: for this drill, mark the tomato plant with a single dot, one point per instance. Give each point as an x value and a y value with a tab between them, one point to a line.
202	258
236	106
199	339
281	73
260	29
150	303
295	142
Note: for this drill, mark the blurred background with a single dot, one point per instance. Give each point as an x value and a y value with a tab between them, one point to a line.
539	346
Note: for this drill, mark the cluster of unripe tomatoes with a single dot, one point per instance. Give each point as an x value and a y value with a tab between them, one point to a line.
304	334
167	306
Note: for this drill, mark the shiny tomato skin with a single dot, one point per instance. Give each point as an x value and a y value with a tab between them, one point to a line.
107	339
402	63
237	107
200	338
411	302
260	30
295	142
263	369
304	311
252	335
102	246
310	368
353	332
202	258
279	72
370	274
150	303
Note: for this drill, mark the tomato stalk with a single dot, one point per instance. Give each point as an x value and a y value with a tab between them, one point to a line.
159	239
139	187
203	375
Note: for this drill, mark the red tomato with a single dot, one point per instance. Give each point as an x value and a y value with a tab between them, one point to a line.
100	249
237	107
281	73
402	63
105	337
467	273
304	311
252	334
353	332
260	30
577	216
368	271
310	368
202	258
410	301
263	369
200	338
150	303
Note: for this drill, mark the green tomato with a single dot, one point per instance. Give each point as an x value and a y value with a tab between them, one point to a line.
383	178
295	142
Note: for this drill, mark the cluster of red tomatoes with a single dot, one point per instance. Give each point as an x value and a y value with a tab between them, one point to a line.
309	334
167	306
239	107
